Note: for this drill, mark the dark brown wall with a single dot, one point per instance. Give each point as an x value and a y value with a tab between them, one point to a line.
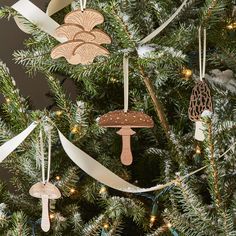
11	38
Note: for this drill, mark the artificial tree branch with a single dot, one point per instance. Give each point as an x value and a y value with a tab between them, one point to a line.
156	102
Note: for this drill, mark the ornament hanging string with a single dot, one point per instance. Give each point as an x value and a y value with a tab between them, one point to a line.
48	133
202	61
126	82
83	5
42	155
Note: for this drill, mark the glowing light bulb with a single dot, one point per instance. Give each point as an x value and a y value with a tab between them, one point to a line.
198	150
58	177
59	113
52	216
106	226
231	26
153	219
187	73
169	225
8	100
75	129
103	190
72	190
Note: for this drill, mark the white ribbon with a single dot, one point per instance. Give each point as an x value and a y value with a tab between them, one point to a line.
126	82
164	25
83	4
8	147
36	16
143	41
105	176
88	164
56	5
202	64
42	155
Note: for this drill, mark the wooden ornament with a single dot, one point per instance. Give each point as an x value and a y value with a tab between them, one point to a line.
83	44
96	36
88	18
45	191
85	36
85	53
68	31
65	49
126	121
200	101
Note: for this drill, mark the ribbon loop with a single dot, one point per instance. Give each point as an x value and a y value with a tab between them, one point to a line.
202	62
126	81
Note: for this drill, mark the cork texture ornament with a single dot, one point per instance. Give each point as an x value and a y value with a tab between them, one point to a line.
83	42
126	121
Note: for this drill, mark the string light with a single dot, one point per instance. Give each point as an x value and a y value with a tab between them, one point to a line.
59	113
8	100
187	73
106	226
169	225
75	129
153	219
52	216
58	177
231	26
72	190
198	150
103	190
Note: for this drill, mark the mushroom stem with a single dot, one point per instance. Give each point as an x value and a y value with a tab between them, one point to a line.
45	222
126	155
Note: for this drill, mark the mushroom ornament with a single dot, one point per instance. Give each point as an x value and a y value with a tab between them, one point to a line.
126	121
45	191
200	102
82	42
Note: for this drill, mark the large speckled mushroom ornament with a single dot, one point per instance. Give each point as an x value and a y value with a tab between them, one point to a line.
126	121
45	191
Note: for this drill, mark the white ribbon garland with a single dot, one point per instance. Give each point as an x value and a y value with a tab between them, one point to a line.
164	25
88	164
10	146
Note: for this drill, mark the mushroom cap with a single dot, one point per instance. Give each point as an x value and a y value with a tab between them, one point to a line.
68	30
200	101
40	189
88	19
65	49
119	118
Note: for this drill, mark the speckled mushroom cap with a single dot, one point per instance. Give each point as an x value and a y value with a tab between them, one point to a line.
40	189
119	118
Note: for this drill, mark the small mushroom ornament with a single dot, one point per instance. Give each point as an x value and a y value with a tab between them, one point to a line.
45	191
200	102
126	121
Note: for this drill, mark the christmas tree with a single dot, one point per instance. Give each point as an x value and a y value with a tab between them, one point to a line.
162	74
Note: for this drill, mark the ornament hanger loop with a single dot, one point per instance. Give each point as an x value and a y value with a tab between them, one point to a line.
202	61
126	81
83	5
47	130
